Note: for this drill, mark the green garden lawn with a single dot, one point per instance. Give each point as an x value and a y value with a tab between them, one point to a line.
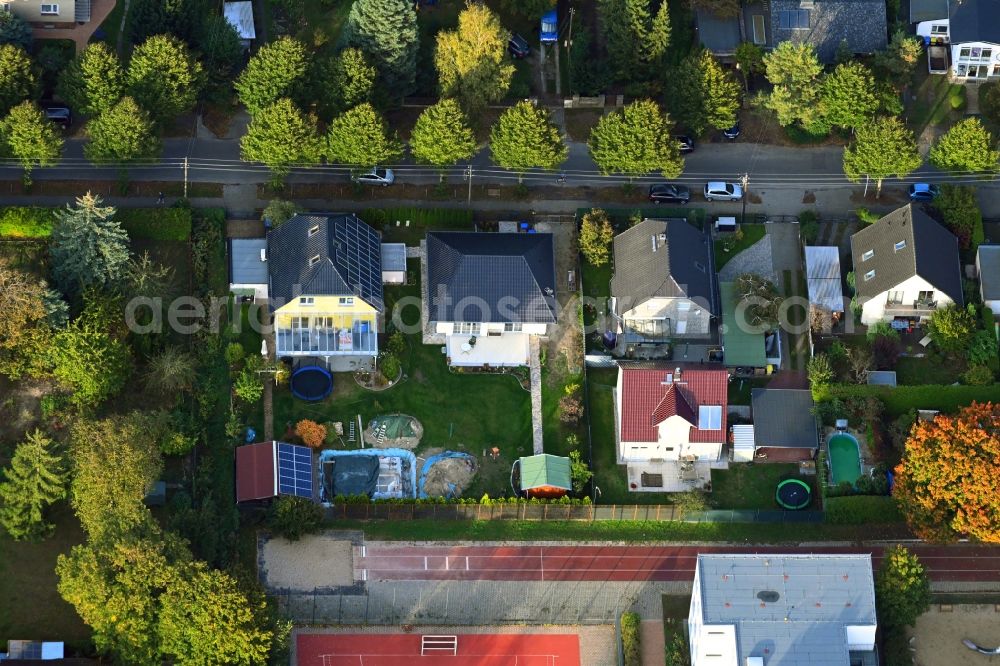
751	485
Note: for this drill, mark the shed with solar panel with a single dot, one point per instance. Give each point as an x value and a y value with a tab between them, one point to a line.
270	469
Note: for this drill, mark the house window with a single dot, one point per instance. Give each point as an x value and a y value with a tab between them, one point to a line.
900	245
466	327
313	230
50	10
996	70
895	297
651	480
869	275
512	326
939	30
925	296
987	54
349	300
710	417
313	260
964	52
759	34
307	300
867	255
793	19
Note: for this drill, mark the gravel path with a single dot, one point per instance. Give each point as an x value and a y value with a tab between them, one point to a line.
313	562
754	259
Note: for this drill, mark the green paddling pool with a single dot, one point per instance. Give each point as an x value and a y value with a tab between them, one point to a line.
845	458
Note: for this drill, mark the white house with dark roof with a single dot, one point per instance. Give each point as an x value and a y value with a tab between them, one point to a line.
663	286
988	270
782	610
971	28
486	294
906	266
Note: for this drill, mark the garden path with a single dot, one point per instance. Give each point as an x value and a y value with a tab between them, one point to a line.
535	367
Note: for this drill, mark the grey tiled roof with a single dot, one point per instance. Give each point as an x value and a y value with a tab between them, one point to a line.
721	36
817	596
861	22
679	267
245	266
349	259
989	271
783	417
490	277
931	252
974	21
928	10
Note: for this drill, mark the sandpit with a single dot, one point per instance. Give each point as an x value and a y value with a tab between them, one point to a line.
449	477
397	431
937	638
314	561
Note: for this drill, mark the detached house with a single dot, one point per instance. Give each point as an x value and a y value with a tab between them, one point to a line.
488	293
663	286
970	29
325	288
671	424
906	266
824	24
49	13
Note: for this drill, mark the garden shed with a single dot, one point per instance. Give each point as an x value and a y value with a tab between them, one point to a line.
743	443
785	428
545	475
823	279
393	263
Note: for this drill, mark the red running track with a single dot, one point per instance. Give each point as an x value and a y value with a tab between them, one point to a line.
624	563
404	650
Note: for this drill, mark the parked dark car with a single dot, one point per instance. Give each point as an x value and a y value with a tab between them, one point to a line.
517	46
60	115
733	132
924	192
669	193
685	144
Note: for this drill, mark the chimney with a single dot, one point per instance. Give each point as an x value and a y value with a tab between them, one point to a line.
677	375
263	254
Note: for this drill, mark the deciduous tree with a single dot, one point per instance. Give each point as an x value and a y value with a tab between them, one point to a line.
89	248
311	433
221	51
280	136
277	70
946	484
703	94
596	236
758	299
530	9
347	80
94	80
635	142
957	208
123	134
89	362
881	149
164	78
35	480
951	328
360	137
900	59
23	328
472	61
579	472
14	30
794	70
525	137
967	146
749	60
294	517
30	137
847	95
442	136
821	375
902	588
171	372
18	78
386	30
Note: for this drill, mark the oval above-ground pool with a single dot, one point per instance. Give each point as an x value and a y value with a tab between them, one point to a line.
793	494
311	383
845	458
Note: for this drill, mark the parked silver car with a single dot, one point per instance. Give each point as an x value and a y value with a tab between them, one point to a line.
377	176
721	191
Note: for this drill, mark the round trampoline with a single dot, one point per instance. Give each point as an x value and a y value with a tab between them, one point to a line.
793	494
311	383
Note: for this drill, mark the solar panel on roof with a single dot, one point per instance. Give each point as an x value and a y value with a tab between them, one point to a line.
295	470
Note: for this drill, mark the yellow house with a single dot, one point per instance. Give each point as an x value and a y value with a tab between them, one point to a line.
325	286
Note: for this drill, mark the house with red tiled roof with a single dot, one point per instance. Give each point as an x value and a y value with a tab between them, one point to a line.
670	425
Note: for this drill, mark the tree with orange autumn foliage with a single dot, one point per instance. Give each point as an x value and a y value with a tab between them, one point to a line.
312	433
946	484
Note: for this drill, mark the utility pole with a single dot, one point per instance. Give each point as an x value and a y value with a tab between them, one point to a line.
185	177
744	183
569	36
469	175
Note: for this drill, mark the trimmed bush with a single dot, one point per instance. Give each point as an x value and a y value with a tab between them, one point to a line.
26	222
861	509
630	639
158	224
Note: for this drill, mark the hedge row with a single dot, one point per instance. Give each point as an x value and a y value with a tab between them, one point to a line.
157	224
484	501
26	222
436	217
861	509
630	639
901	399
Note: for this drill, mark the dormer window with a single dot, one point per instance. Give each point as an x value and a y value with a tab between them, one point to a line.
313	230
869	275
313	260
349	300
307	300
900	245
867	255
